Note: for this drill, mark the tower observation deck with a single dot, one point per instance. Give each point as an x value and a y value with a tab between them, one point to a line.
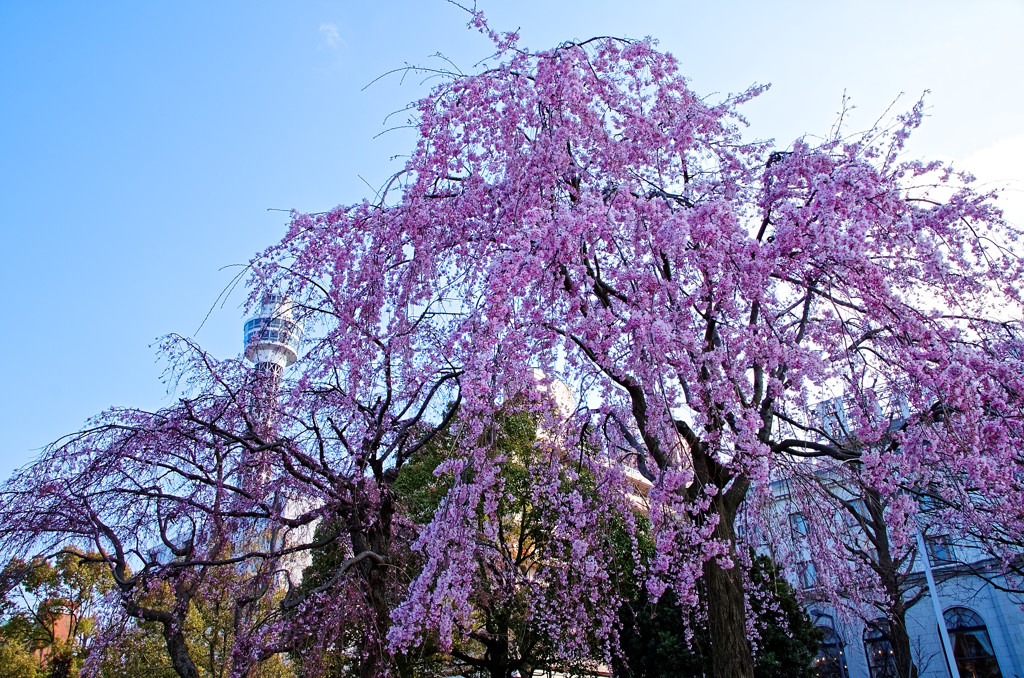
272	336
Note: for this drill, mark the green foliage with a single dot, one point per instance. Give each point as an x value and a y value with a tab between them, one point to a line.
16	661
659	640
504	635
654	640
418	492
789	640
138	652
138	649
47	616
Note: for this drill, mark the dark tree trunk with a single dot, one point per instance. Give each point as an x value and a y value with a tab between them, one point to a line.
727	616
897	633
497	648
727	623
900	640
376	658
173	627
59	666
893	583
177	649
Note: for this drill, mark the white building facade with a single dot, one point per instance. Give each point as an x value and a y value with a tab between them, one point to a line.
978	603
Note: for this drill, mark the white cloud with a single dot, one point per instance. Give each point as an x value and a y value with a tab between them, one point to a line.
999	167
330	34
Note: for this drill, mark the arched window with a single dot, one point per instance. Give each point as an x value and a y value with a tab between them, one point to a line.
881	663
972	648
831	660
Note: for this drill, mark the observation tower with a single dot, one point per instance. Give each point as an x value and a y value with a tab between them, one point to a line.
272	336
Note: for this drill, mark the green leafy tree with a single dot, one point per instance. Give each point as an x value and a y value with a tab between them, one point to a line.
48	613
16	661
511	631
139	651
788	639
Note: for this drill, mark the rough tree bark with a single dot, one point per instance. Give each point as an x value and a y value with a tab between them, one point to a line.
727	618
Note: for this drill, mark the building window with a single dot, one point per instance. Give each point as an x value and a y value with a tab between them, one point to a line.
808	575
939	551
881	662
832	417
830	661
972	648
798	523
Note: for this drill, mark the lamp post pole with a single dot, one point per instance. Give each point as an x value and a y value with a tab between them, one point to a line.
933	593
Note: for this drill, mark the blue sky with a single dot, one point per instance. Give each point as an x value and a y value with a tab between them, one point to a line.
143	143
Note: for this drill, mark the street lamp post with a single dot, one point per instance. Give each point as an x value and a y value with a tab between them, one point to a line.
933	593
